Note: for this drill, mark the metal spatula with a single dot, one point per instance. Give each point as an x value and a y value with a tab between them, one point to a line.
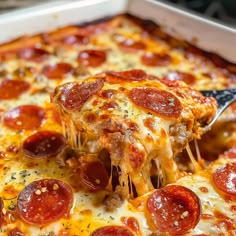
223	97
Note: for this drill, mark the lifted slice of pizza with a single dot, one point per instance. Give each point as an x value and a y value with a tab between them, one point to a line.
134	124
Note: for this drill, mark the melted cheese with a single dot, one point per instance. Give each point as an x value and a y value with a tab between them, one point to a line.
134	150
211	200
17	171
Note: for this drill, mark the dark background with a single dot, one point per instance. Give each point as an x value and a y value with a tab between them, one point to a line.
222	10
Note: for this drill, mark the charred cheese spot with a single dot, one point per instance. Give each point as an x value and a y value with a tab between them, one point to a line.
108	106
133	126
203	189
90	117
104	116
150	124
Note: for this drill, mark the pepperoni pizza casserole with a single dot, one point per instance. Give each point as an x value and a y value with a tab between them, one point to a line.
103	132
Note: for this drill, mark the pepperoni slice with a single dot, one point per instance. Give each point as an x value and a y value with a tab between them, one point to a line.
130	75
57	71
44	144
177	75
158	101
94	175
112	230
174	209
33	54
93	58
25	117
11	89
45	201
74	95
131	45
225	178
77	39
156	59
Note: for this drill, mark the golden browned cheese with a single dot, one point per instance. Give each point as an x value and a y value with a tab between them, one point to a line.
140	120
123	133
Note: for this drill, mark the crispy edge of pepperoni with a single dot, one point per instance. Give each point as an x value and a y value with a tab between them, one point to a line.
182	76
92	57
25	117
224	178
11	89
112	230
129	75
33	54
156	59
94	175
31	204
57	71
158	101
73	95
163	214
44	144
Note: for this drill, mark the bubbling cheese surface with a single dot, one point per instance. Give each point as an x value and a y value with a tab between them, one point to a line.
138	119
40	170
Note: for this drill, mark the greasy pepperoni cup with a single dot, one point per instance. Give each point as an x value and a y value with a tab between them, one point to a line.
112	230
12	89
57	71
74	95
44	144
26	117
159	101
173	209
33	54
92	58
45	201
225	178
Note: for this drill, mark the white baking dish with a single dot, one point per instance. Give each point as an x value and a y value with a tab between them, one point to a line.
206	34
